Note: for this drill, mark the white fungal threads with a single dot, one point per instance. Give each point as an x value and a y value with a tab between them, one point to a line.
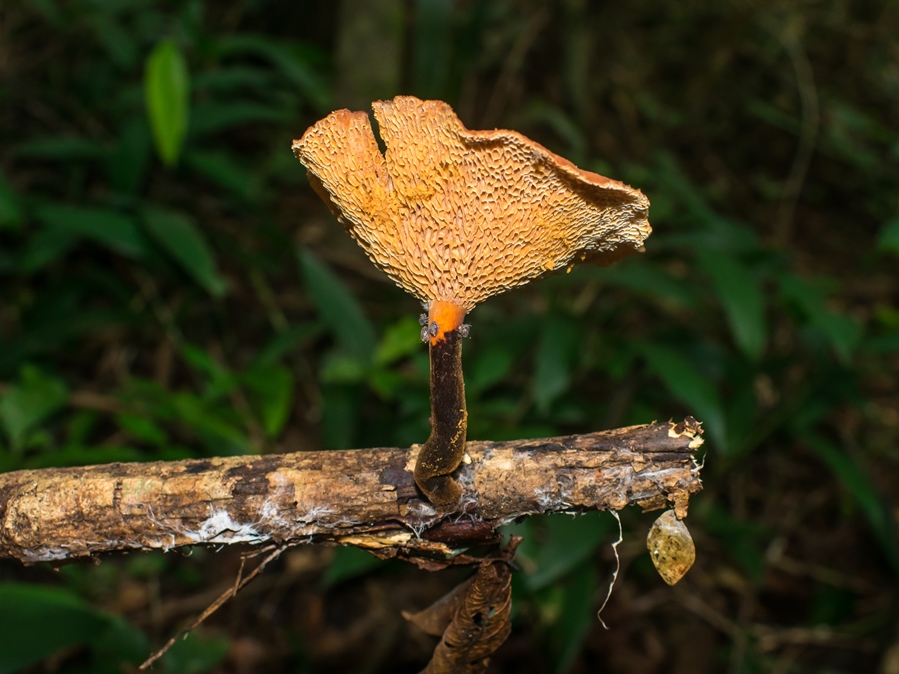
46	554
221	528
546	500
614	573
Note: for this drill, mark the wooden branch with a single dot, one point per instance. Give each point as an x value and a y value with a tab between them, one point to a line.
362	497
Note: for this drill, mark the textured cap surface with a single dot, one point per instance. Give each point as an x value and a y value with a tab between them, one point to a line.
457	215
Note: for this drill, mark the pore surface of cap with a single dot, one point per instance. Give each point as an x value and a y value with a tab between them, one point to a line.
457	215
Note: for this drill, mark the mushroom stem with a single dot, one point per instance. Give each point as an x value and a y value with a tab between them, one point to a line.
445	447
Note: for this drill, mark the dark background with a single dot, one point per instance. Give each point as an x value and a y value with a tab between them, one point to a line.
213	306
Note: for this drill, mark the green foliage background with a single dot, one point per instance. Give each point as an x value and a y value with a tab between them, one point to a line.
170	287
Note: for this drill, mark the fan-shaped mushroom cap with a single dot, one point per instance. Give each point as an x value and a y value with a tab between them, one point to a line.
457	215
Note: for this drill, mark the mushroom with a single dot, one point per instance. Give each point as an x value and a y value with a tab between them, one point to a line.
455	216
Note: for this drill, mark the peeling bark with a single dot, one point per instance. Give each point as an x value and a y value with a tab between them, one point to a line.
366	498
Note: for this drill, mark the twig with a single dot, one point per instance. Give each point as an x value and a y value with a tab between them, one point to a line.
808	132
366	498
239	583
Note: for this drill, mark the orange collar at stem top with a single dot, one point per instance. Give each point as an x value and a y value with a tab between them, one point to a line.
447	316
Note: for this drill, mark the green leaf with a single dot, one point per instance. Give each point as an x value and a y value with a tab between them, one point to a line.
340	415
272	394
120	643
142	429
105	226
562	125
832	606
180	238
167	91
649	280
744	302
888	241
55	324
118	41
195	653
60	148
80	424
338	308
342	368
10	208
292	61
38	621
211	118
489	365
220	380
863	490
52	13
885	343
686	384
399	340
223	437
221	168
557	353
577	617
567	541
236	79
288	341
841	330
433	45
44	248
34	398
745	540
127	162
385	382
349	563
75	455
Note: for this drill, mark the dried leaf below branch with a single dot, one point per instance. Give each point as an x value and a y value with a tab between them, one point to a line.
479	625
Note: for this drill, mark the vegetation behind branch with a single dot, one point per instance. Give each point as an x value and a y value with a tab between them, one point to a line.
170	287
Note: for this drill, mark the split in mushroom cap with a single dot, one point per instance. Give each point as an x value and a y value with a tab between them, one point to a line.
458	216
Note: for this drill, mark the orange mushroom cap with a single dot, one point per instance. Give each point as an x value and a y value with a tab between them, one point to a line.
457	216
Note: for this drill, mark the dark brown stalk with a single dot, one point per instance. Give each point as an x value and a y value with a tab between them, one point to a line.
442	453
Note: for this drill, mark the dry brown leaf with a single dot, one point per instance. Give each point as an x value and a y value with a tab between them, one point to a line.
435	618
480	624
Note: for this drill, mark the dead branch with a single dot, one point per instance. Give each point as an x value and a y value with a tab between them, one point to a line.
363	497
